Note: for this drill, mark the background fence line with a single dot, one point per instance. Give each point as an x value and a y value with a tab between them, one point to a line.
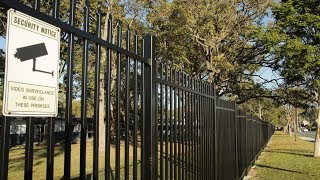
181	127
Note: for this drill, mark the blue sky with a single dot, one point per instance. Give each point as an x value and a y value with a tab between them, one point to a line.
266	73
2	43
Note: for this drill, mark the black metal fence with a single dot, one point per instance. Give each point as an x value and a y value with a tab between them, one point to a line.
199	135
159	122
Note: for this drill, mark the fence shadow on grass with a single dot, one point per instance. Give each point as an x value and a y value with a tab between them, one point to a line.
280	169
288	152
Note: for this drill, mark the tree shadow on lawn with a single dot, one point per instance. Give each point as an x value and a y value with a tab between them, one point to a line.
17	158
285	151
282	169
275	135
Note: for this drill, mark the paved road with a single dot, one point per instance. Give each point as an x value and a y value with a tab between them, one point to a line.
308	136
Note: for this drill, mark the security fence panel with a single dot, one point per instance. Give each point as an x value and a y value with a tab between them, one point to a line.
242	142
226	139
249	140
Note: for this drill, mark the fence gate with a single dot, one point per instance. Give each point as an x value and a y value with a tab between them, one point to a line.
136	118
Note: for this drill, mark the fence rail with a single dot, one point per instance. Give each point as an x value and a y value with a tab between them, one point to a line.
172	125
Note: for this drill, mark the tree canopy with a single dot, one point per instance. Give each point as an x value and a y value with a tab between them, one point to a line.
294	44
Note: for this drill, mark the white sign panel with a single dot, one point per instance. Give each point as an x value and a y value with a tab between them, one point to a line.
31	75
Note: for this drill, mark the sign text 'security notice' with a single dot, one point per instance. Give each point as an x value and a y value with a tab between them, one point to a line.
31	75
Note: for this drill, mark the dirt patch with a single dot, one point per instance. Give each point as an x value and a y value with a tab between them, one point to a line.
252	174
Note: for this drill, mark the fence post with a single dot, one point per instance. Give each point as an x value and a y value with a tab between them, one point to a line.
247	147
4	148
236	140
216	163
149	159
28	164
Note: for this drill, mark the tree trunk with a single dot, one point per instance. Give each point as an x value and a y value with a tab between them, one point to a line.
102	103
317	138
296	125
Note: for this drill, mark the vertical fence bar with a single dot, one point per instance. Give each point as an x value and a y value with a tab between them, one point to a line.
84	90
28	162
167	127
155	155
55	8
184	118
215	134
209	130
135	122
154	121
118	89
67	146
51	121
207	110
97	101
193	118
201	129
50	148
143	117
212	126
197	130
201	132
190	114
179	127
188	129
204	125
171	124
193	110
149	161
161	123
36	5
175	125
205	171
246	141
4	148
127	106
236	141
107	85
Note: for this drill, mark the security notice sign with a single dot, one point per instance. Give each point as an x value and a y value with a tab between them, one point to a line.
31	75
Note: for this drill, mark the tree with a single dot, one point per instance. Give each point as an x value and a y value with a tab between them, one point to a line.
294	45
214	39
127	12
270	110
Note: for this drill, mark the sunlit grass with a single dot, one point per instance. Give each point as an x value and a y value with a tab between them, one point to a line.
17	154
284	158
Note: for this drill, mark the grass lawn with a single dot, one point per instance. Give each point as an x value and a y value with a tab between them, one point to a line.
16	161
284	158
